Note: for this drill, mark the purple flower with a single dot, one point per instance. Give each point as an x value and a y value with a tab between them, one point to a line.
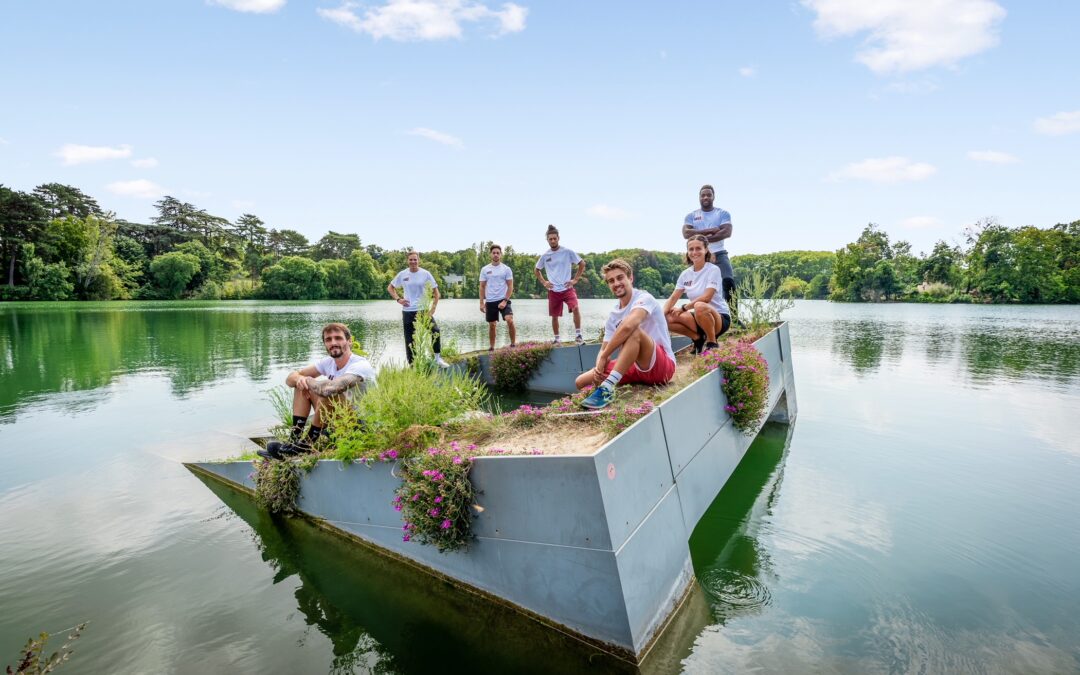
447	524
457	460
416	496
433	512
397	507
438	500
406	537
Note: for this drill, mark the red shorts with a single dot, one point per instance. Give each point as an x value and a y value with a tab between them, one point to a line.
557	298
663	369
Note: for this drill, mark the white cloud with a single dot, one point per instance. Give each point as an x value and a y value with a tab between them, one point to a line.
748	71
437	136
606	212
251	6
144	163
81	154
903	35
141	189
1059	124
992	157
414	20
885	170
921	223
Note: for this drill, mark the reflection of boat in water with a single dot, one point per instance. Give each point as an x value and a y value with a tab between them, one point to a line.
591	545
381	615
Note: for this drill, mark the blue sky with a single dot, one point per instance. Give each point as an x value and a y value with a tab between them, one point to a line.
436	123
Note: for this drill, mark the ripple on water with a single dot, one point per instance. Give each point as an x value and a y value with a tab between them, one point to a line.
734	589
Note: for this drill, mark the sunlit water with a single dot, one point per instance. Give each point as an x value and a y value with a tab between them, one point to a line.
921	515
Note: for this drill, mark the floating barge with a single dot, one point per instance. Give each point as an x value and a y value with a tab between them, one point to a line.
593	545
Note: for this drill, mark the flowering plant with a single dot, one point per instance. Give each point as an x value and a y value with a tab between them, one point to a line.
744	379
618	418
435	497
512	367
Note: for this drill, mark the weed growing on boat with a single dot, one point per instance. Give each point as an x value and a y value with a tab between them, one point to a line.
32	659
757	310
277	485
435	497
744	378
406	411
512	367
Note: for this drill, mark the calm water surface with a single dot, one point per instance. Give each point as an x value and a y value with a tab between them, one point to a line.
921	515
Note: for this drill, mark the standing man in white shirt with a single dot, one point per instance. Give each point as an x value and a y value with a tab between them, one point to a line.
346	375
496	287
413	281
638	329
715	224
557	262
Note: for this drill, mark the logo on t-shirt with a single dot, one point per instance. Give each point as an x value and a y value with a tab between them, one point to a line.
688	283
487	272
699	218
548	259
404	278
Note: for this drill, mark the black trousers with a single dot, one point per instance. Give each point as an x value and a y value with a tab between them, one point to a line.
408	320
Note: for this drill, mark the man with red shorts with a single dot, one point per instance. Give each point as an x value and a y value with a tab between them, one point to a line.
558	262
638	329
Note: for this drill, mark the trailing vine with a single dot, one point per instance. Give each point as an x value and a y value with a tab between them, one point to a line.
435	497
744	379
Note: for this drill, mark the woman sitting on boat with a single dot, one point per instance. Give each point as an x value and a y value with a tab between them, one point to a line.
706	317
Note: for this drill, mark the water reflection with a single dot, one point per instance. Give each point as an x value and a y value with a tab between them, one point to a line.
384	616
864	344
993	352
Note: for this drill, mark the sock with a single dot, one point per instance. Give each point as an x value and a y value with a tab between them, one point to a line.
316	433
579	332
612	379
556	337
298	424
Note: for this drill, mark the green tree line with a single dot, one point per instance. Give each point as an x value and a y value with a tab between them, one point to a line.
57	243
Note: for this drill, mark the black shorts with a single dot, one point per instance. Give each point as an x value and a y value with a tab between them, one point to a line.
723	328
491	309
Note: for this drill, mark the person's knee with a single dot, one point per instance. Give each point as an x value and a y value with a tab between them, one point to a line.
701	308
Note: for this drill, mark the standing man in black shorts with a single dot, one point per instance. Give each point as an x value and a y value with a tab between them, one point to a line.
413	282
496	287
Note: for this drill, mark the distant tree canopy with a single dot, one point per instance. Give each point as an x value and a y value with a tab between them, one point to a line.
57	243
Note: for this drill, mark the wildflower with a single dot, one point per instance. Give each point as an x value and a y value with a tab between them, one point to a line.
416	496
447	524
438	500
397	507
406	537
457	459
433	512
392	454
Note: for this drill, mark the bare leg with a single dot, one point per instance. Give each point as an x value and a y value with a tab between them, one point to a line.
323	404
555	325
638	349
577	317
491	333
301	403
709	320
682	324
513	330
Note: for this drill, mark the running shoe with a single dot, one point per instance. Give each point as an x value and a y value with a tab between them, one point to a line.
600	398
580	340
441	362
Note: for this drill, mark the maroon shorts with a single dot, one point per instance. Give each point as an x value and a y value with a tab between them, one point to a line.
663	369
557	298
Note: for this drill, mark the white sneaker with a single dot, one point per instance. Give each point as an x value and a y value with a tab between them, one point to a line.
441	362
555	341
580	340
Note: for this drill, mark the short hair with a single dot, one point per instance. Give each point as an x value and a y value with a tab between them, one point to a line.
337	327
699	237
551	230
706	187
494	246
618	264
411	252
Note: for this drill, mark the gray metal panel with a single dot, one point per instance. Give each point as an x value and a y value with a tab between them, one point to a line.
576	587
655	569
558	371
634	474
351	492
769	346
554	500
789	371
692	417
707	473
233	472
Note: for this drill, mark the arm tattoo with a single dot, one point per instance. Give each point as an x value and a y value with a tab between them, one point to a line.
327	388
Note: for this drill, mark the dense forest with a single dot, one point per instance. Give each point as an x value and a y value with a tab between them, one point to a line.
57	243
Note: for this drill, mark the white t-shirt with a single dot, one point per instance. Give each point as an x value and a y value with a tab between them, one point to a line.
356	365
654	325
703	220
559	266
497	277
414	284
694	284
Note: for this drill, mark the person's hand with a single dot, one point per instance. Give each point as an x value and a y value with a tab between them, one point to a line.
303	383
402	301
482	307
548	285
571	283
598	377
502	305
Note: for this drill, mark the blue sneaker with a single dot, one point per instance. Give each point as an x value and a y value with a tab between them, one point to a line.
600	398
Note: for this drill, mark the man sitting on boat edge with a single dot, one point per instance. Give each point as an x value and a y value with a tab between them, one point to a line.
638	329
344	372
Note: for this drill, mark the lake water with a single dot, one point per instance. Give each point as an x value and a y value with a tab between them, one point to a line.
921	515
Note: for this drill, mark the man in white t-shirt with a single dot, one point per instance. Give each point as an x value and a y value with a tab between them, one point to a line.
558	263
496	287
638	329
347	376
413	282
715	224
